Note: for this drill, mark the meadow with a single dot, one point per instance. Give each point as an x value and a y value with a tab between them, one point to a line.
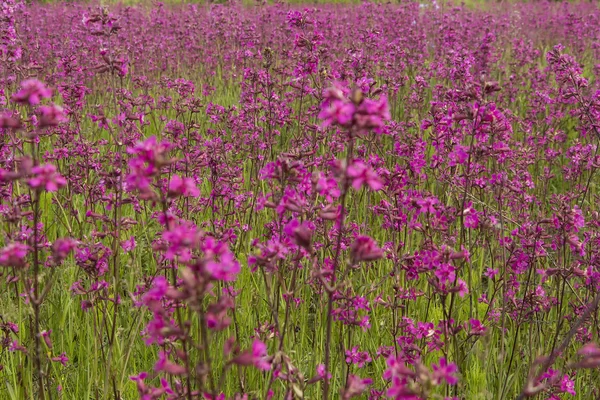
281	201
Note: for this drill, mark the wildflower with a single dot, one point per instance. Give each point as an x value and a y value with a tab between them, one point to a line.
327	187
259	354
357	357
355	387
445	372
181	240
163	364
458	155
300	232
365	248
337	112
32	91
184	187
322	373
361	174
567	385
372	114
46	177
220	262
128	244
61	249
9	121
63	359
445	273
476	327
51	115
13	255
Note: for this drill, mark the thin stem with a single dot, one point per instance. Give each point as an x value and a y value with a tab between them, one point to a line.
330	293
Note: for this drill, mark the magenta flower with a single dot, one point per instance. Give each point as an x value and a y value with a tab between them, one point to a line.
51	115
184	187
372	114
337	112
445	273
62	248
46	177
567	385
260	356
361	174
301	233
181	240
150	150
458	155
32	91
322	373
163	364
365	248
356	386
13	255
445	372
220	262
336	109
357	357
63	359
328	188
7	120
159	289
128	244
476	327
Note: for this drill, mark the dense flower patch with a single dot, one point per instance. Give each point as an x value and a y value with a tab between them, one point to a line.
276	202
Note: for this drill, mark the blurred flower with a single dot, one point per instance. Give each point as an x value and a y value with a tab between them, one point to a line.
185	187
365	248
51	115
361	174
13	255
32	91
445	371
46	177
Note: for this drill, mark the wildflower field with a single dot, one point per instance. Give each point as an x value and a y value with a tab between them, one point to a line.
275	201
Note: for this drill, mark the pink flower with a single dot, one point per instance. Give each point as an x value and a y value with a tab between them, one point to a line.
471	218
45	176
328	188
336	109
355	386
300	232
128	244
184	187
445	372
8	121
221	264
322	373
13	255
372	114
163	364
63	359
567	385
458	155
361	174
62	247
357	357
337	112
32	91
365	248
476	327
51	115
181	240
259	355
445	273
